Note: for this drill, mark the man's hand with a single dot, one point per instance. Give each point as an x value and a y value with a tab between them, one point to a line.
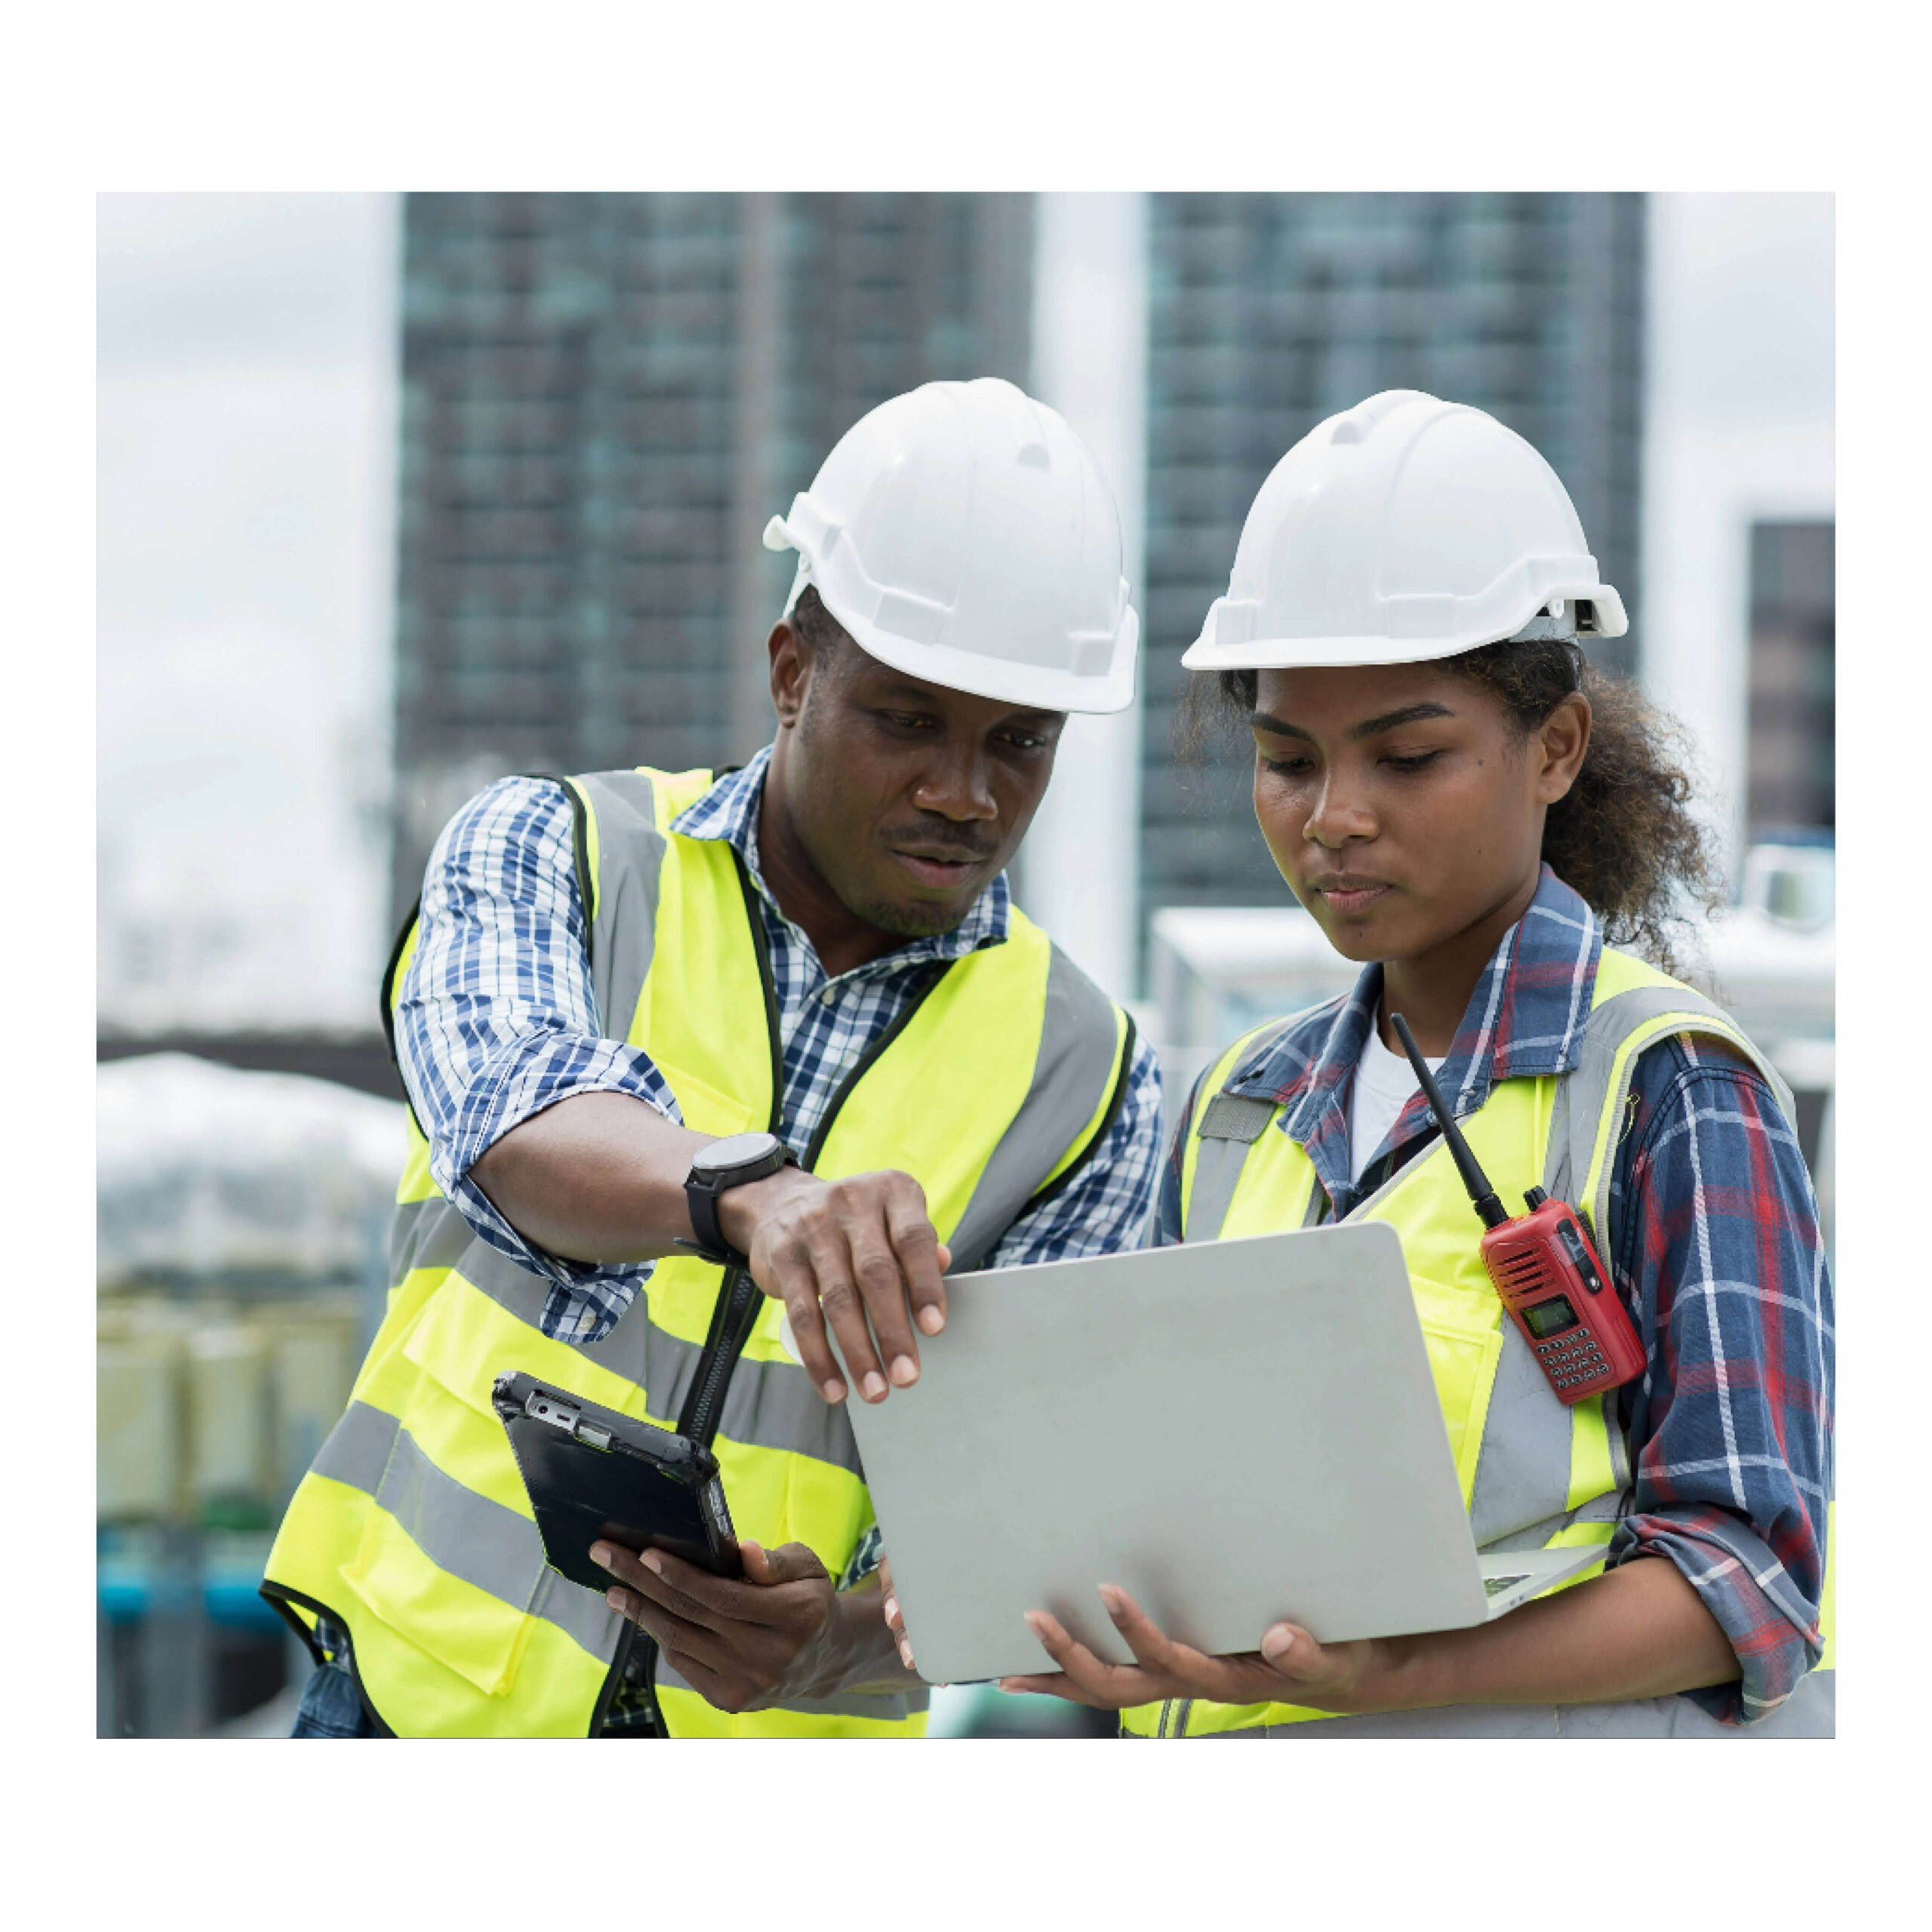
740	1645
1290	1667
853	1251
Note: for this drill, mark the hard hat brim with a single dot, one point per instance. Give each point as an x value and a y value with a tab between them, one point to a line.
1034	686
1278	653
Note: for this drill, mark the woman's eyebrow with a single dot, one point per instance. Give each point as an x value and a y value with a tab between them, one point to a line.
1410	714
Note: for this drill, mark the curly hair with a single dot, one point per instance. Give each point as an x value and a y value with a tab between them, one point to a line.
1624	836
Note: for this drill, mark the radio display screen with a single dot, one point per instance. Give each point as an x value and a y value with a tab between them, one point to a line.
1549	1318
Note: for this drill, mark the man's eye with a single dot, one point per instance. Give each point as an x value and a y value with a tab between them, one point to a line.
906	721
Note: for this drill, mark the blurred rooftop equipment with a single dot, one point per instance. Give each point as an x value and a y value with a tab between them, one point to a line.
240	1219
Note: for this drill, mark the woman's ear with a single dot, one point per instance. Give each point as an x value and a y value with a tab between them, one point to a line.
1564	738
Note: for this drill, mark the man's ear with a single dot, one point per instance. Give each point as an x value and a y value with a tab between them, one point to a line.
791	672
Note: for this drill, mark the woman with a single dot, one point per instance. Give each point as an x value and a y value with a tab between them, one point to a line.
1470	811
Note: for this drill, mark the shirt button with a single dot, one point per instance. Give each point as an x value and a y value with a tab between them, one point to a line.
828	998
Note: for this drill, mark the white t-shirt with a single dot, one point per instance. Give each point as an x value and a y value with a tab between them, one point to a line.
1383	1083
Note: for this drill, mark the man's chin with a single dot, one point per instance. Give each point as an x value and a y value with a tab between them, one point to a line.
915	918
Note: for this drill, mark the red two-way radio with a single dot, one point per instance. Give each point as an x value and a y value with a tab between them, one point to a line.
1557	1291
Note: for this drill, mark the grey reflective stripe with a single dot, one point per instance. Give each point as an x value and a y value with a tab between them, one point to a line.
1073	1074
406	1227
1584	1093
1229	1124
357	1449
1522	1480
492	1548
882	1707
1810	1710
630	859
1217	1166
1523	1465
1235	1117
767	1404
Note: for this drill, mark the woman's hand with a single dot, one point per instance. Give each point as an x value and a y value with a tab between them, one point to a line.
1290	1668
895	1618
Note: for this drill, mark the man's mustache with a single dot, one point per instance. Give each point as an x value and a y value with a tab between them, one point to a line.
928	844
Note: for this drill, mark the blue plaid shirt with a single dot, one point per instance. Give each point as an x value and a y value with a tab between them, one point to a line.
1713	1243
497	1020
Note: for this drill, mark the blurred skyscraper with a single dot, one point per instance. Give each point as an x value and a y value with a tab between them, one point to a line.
1269	312
1792	767
605	397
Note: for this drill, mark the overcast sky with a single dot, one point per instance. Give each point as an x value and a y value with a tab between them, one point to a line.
247	454
247	449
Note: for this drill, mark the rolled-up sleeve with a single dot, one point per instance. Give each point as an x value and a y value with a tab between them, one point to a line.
497	1019
1716	1248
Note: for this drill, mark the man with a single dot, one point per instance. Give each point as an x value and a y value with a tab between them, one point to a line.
671	1039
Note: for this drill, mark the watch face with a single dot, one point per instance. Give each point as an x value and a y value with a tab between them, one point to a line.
735	1151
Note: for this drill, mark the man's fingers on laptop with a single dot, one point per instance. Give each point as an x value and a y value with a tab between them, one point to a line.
798	1288
876	1267
843	1307
923	1257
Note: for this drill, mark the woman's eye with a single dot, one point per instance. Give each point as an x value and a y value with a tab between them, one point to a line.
1285	768
1414	762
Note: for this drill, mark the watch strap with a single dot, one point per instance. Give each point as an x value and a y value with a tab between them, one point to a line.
701	1197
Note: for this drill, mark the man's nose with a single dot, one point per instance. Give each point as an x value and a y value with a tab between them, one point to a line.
957	785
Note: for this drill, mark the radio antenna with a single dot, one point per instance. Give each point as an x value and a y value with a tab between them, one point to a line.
1474	1179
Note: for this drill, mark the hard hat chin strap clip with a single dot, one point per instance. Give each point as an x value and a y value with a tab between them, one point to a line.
1565	621
1557	622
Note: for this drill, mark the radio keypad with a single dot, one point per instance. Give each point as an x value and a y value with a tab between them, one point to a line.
1572	1359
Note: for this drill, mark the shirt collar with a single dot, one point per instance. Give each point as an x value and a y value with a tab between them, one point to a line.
1524	1020
729	812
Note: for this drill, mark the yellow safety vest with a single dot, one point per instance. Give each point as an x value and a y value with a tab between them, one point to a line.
1534	1473
411	1529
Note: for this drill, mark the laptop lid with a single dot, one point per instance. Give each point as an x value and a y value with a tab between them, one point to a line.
1233	1431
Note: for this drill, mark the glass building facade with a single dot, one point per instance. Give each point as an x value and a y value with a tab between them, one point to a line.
605	397
1269	312
1792	775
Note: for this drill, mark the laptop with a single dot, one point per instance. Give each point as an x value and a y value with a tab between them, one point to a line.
1234	1432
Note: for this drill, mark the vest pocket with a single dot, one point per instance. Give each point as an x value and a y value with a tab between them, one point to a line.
1463	1333
467	1630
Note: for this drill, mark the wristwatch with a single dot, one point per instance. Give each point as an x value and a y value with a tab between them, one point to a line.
725	1164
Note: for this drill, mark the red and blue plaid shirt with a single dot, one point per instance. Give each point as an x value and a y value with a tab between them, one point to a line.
1715	1247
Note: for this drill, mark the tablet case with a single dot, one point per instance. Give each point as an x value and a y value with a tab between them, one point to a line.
593	1474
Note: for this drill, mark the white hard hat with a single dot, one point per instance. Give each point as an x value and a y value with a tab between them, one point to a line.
965	535
1403	529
